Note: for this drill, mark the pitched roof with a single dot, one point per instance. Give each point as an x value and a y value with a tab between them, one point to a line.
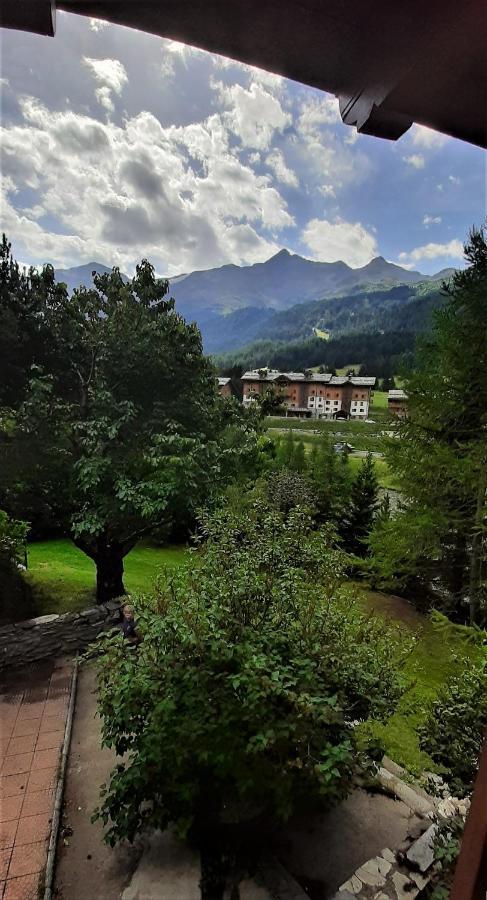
272	375
397	395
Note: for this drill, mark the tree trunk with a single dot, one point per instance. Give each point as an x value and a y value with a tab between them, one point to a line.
109	572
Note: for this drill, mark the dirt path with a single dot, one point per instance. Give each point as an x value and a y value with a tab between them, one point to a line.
393	607
86	867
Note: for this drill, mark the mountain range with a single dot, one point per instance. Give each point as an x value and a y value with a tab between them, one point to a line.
287	297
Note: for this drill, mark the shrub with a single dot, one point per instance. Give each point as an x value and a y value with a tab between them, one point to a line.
243	694
453	731
15	595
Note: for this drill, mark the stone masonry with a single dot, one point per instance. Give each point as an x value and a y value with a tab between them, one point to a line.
53	636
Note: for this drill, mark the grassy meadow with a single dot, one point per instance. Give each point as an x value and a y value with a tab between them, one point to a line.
63	578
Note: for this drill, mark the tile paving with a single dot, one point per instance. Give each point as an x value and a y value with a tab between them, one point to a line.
31	735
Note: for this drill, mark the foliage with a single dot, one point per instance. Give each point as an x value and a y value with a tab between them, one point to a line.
446	852
362	508
287	490
436	657
440	457
14	593
253	667
330	478
13	535
454	729
120	430
402	308
381	353
63	579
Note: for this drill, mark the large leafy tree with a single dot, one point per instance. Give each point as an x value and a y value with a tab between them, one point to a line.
440	453
24	334
255	664
120	430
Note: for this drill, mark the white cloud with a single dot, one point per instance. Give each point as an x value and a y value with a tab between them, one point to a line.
453	250
168	69
98	24
431	220
416	160
277	163
347	241
426	138
352	136
318	111
327	190
111	77
321	152
254	115
178	195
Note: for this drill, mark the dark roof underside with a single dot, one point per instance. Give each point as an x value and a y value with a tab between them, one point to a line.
391	62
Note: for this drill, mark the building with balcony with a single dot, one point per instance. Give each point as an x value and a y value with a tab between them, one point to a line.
397	403
224	387
312	395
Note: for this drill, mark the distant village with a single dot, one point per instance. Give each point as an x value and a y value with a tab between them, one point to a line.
309	394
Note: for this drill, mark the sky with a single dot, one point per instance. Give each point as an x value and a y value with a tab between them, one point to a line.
118	145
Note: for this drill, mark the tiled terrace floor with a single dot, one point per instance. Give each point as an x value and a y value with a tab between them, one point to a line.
33	709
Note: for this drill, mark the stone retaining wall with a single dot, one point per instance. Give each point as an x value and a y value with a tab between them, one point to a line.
50	636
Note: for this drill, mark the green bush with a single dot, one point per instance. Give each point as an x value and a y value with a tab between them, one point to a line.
254	666
15	595
453	731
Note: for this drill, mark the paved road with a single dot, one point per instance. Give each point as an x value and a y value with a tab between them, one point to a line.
33	708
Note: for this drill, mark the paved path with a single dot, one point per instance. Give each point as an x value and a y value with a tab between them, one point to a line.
33	708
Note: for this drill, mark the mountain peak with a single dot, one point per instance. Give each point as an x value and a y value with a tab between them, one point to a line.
281	254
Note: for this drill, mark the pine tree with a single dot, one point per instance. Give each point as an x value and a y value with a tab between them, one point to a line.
363	504
298	461
440	456
285	451
328	474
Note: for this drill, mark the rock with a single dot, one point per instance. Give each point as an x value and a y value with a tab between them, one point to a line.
393	767
420	880
418	829
447	808
343	895
388	854
405	889
374	871
168	862
352	886
416	802
421	854
463	806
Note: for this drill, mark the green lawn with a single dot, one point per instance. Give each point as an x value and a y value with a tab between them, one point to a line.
433	660
63	577
385	477
379	400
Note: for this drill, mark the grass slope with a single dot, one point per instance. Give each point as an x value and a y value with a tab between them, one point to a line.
431	663
63	578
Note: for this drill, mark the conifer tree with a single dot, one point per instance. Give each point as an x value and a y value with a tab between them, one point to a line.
298	461
363	504
440	453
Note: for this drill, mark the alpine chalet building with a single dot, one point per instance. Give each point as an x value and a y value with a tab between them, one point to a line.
309	394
